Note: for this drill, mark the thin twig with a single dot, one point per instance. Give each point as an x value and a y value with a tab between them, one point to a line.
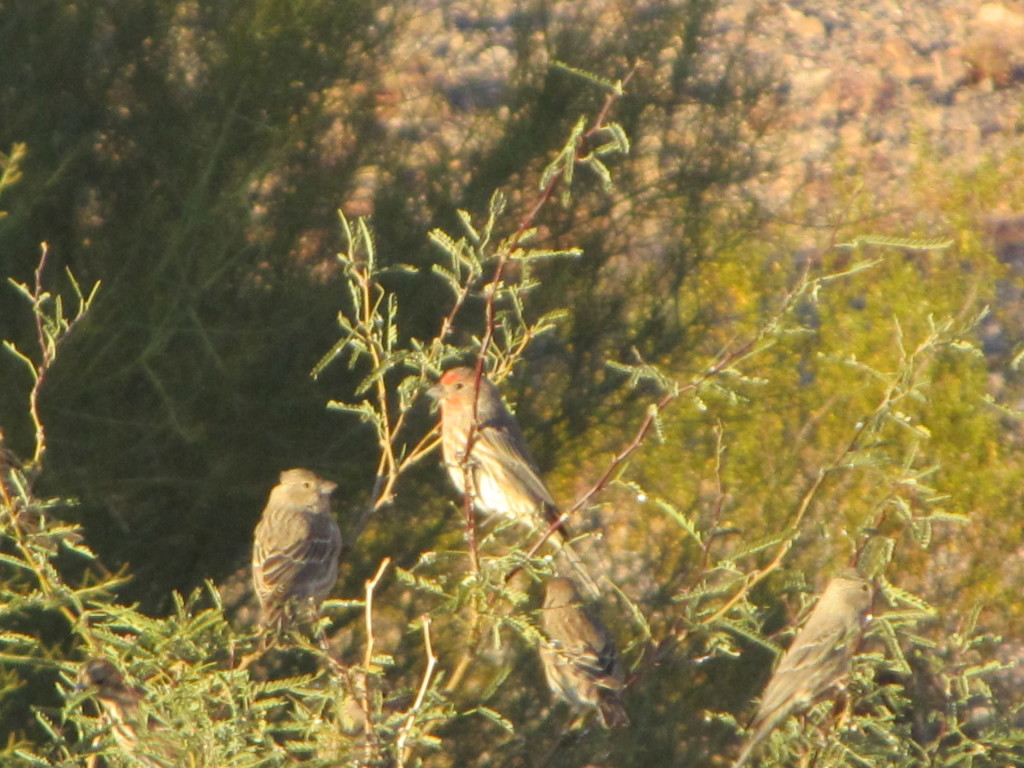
491	289
716	516
363	685
654	410
448	324
756	577
548	192
47	349
371	585
410	718
460	670
370	305
468	509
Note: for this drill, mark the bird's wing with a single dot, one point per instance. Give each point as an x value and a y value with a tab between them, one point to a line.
593	652
807	668
290	544
324	540
138	732
503	442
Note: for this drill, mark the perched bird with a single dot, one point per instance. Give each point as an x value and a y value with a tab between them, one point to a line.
296	548
139	736
21	511
818	657
12	476
503	480
581	663
503	476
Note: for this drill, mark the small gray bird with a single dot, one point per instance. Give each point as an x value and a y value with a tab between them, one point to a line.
143	738
817	659
581	663
296	548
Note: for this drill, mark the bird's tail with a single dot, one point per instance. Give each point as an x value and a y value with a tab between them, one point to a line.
748	749
574	563
613	714
762	726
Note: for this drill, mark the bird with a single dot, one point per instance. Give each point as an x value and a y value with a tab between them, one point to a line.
499	473
504	478
817	659
296	548
142	737
580	660
18	508
12	477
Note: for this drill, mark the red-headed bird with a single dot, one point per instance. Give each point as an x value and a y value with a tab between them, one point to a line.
499	473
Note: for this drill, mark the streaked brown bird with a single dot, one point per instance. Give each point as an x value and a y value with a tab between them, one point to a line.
817	659
296	548
139	736
12	476
581	662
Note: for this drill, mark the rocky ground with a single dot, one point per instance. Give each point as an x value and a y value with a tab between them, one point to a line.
879	83
870	84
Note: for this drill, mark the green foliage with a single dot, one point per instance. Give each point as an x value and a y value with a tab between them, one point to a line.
727	424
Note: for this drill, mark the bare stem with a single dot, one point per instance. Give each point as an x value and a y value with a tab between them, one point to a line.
491	291
363	683
371	585
47	349
410	718
716	516
654	410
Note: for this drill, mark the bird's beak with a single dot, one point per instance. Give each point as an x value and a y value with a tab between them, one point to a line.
436	391
328	488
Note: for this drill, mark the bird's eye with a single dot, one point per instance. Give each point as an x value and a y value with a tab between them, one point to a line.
459	385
